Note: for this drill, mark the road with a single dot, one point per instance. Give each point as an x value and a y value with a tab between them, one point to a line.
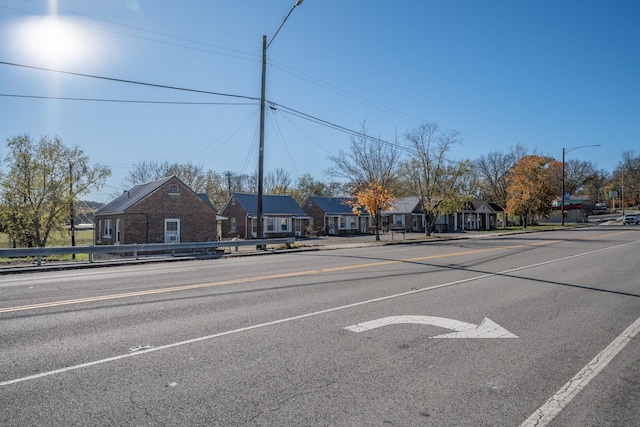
384	335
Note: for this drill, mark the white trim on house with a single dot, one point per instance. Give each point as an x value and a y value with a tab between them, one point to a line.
171	233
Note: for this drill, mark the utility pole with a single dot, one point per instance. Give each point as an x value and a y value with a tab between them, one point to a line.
72	213
622	192
563	190
259	207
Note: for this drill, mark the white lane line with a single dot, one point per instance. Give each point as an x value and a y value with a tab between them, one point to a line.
290	319
547	412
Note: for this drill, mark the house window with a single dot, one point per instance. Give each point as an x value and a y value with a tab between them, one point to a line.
107	228
284	224
398	219
343	222
270	224
233	225
353	223
171	230
173	189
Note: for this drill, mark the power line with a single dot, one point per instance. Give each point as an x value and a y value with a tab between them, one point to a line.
246	57
286	109
125	101
252	57
113	79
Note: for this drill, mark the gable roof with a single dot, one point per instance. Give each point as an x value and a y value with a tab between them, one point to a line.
333	205
206	199
132	196
481	206
404	205
271	205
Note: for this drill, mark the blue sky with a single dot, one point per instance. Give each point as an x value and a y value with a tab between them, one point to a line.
546	74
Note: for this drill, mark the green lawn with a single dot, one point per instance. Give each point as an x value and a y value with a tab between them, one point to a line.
57	239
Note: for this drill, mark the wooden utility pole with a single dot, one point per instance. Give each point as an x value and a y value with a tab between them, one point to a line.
72	213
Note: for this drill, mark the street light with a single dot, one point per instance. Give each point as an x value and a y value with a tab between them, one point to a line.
564	151
265	45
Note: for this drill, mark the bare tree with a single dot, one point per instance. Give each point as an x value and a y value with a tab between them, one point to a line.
436	180
370	163
631	166
494	169
576	174
595	186
368	160
307	186
277	182
145	171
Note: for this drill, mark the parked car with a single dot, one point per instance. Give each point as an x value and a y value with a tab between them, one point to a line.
630	219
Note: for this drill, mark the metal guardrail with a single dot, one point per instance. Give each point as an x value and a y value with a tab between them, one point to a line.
135	249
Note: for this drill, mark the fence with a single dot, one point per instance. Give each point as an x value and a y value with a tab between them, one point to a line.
136	249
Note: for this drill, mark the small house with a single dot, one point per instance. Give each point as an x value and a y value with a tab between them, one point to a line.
162	211
475	215
405	214
334	216
281	216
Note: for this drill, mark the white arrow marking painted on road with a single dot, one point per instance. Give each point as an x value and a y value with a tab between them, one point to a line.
486	329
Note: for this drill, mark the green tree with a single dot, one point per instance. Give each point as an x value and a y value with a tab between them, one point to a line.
531	191
40	182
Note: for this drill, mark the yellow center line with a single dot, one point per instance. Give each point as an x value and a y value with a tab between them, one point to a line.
260	278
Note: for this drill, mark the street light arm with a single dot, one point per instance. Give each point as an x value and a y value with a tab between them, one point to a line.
298	3
582	146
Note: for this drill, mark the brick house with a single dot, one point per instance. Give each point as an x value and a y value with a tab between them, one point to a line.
281	216
163	211
334	216
406	214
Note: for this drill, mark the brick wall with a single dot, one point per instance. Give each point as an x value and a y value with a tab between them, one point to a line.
315	213
234	210
144	222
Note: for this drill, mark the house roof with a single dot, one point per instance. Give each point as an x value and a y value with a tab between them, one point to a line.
478	205
271	205
333	205
131	197
404	205
206	199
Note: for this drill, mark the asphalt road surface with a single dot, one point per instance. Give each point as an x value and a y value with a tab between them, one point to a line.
524	330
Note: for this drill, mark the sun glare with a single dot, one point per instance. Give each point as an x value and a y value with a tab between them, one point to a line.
57	42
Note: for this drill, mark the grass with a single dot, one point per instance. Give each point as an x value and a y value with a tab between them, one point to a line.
57	239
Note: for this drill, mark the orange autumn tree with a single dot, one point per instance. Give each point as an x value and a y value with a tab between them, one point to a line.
530	190
374	198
